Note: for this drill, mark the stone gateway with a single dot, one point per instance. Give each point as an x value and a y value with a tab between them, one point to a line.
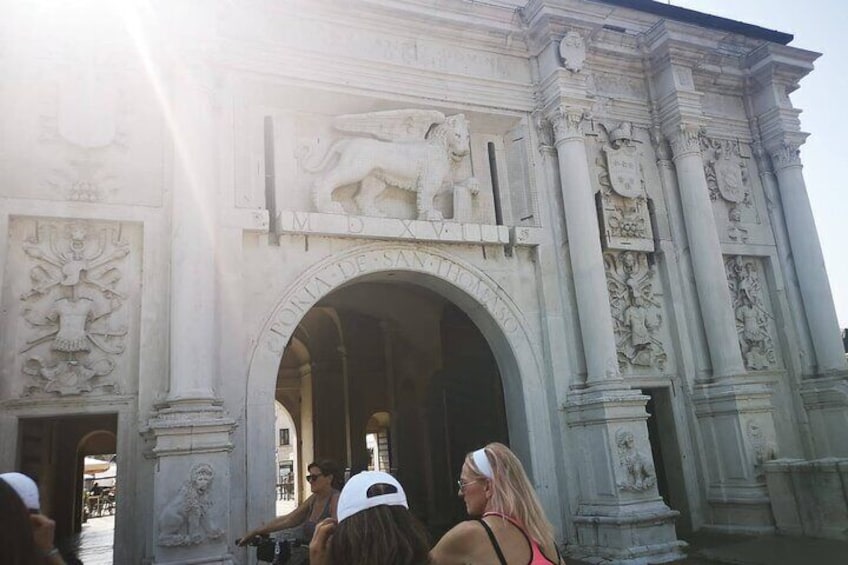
239	237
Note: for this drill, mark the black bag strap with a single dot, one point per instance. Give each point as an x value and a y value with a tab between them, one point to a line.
492	539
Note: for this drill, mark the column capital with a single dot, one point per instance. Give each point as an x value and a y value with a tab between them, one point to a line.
567	122
685	139
785	154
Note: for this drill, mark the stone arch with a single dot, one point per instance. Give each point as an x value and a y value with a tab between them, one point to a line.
498	318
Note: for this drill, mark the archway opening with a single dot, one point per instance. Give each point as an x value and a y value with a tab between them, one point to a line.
392	375
53	451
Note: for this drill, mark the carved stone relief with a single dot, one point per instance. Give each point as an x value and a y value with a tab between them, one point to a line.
752	316
637	469
726	168
572	49
416	151
185	520
73	306
763	449
636	310
625	218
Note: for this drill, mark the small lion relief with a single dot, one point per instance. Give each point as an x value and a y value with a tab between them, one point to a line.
416	151
639	474
185	519
763	449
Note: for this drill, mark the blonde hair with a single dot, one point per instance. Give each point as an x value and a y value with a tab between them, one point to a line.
512	493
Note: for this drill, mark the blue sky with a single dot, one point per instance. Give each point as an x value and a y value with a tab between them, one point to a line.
817	25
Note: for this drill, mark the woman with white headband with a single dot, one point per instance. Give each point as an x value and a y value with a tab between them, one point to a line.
510	526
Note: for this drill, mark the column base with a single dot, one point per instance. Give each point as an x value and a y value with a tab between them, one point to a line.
826	401
640	536
810	498
191	482
621	518
737	427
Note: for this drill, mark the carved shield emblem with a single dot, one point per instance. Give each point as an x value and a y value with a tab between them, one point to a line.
572	49
729	180
87	109
624	172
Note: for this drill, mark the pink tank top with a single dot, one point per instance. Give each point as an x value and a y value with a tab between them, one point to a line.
536	556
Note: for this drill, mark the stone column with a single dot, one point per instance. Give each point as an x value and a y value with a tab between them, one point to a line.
809	261
617	473
707	260
776	71
193	233
190	431
584	247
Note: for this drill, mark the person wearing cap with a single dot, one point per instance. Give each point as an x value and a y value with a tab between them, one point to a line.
26	536
509	526
324	479
375	526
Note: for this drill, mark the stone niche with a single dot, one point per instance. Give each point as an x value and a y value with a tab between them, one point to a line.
72	297
417	164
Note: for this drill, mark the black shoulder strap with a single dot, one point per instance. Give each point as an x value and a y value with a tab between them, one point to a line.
494	541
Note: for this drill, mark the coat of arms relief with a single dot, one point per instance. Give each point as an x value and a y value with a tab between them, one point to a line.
752	316
73	307
418	152
728	178
623	201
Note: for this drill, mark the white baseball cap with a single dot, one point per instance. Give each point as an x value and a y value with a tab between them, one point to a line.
25	487
359	493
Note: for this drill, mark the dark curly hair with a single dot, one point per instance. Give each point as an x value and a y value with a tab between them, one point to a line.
330	468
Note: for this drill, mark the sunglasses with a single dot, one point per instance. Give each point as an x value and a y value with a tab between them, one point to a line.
312	478
462	485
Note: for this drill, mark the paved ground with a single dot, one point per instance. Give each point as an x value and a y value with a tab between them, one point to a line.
94	543
95	547
713	549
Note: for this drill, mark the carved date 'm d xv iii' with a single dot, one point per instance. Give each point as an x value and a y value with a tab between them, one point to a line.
625	217
636	310
71	307
752	318
414	150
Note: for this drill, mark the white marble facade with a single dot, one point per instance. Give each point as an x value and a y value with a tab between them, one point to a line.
614	198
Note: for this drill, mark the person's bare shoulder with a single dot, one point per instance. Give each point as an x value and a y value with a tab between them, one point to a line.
459	545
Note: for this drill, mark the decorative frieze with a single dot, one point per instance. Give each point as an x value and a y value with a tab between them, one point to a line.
73	308
624	213
636	310
752	316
